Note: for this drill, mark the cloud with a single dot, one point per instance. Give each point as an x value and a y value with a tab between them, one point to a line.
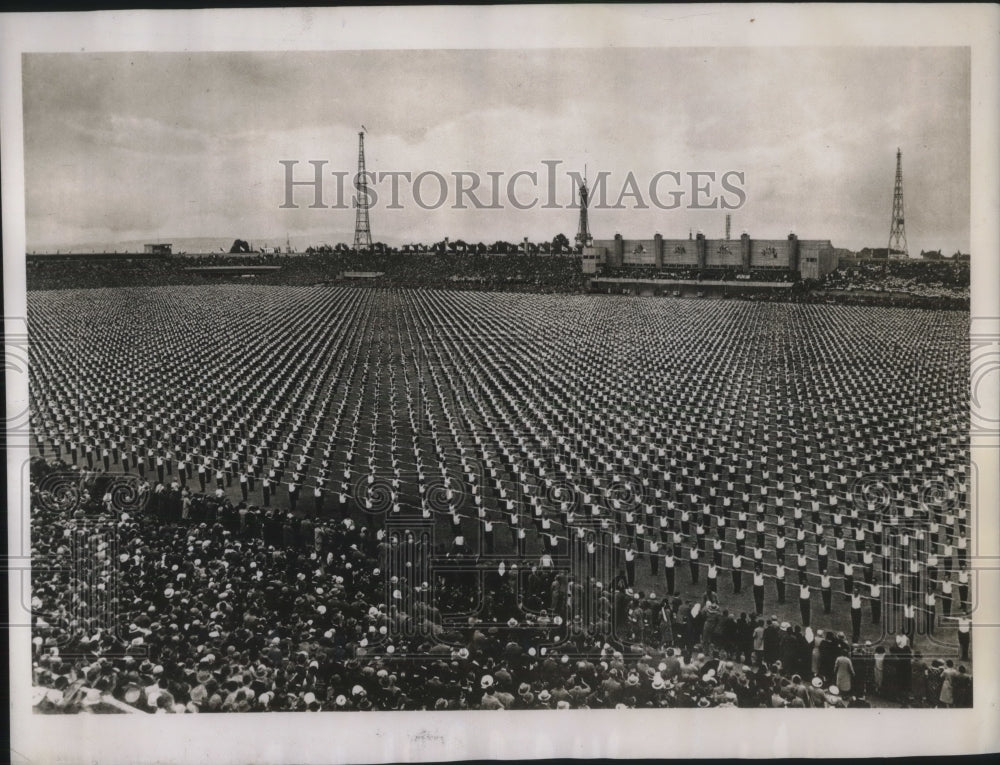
183	145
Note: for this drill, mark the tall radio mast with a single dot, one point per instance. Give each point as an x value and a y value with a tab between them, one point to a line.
362	227
897	231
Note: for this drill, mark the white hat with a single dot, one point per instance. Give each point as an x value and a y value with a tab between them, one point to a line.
486	681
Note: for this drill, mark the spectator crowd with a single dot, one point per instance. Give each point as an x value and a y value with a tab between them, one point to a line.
239	608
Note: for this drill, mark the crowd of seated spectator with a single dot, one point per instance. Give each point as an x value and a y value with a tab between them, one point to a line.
915	284
687	273
919	278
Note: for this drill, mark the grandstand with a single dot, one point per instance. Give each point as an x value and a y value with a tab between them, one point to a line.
780	258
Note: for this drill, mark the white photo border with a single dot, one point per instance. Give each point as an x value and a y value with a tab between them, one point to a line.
419	736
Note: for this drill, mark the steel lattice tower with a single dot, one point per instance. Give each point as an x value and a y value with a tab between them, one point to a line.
362	227
583	238
897	232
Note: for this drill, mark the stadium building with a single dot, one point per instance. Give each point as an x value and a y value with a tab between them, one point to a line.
798	258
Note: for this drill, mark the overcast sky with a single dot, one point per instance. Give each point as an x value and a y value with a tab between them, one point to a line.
131	147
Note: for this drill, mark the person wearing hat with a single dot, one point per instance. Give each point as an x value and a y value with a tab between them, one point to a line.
833	697
817	698
490	699
545	698
799	690
131	694
843	671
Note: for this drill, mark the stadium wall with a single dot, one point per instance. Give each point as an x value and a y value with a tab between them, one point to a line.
817	259
679	252
810	258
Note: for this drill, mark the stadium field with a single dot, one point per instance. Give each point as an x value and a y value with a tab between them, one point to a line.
590	437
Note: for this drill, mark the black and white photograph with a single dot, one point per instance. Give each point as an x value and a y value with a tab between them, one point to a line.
433	375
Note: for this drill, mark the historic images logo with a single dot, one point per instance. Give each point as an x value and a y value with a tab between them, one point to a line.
546	189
